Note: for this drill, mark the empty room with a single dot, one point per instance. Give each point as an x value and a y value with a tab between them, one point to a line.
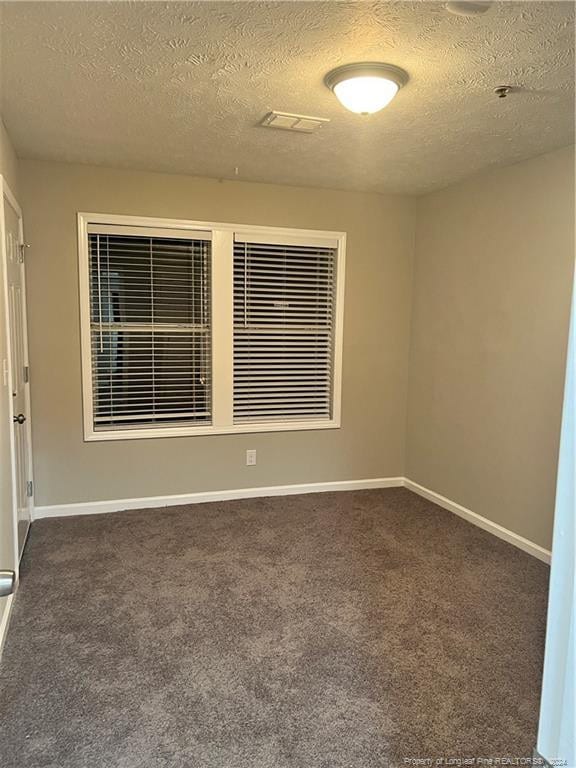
287	446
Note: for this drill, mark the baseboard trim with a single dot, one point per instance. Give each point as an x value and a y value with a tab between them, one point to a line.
5	620
482	522
121	505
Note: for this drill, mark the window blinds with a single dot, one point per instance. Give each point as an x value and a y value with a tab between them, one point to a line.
284	302
150	330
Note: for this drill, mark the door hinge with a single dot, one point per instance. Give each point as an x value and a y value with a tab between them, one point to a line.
29	488
26	374
23	247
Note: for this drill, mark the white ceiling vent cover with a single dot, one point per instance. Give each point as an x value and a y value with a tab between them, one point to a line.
285	121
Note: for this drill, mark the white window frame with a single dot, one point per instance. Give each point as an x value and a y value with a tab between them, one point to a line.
222	324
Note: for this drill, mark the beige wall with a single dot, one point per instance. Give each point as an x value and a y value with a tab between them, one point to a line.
492	285
488	333
370	443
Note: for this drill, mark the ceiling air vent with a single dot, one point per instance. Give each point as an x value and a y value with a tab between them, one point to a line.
288	122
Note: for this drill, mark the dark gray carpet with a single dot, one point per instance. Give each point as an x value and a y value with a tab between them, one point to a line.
345	630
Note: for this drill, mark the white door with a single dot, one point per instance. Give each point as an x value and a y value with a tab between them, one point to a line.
19	371
556	733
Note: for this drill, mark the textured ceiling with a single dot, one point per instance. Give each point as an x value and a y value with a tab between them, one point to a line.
180	87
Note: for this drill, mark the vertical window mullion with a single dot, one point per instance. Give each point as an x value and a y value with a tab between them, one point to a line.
222	328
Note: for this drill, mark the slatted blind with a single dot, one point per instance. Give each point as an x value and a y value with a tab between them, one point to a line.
284	303
150	330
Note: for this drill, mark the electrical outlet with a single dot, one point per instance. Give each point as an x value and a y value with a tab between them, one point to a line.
250	458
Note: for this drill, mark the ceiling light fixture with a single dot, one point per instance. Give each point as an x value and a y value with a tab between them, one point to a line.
469	7
366	88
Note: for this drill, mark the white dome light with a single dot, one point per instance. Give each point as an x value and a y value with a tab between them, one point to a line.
468	7
366	88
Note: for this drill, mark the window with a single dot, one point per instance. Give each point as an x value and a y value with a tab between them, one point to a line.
150	329
208	328
283	331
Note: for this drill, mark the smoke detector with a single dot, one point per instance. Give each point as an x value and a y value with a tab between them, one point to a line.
286	121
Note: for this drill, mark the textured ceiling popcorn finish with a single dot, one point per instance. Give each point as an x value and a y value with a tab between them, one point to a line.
181	87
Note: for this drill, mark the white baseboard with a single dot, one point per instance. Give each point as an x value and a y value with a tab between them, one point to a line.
482	522
121	505
5	619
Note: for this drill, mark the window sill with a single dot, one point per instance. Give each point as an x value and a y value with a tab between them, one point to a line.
236	429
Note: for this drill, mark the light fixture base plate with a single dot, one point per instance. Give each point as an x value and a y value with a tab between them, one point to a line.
366	69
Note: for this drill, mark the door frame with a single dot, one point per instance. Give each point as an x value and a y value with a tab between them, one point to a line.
6	195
